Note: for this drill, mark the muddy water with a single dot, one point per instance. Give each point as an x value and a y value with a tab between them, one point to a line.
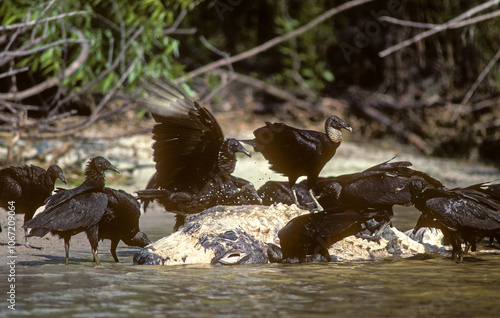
425	286
430	287
422	286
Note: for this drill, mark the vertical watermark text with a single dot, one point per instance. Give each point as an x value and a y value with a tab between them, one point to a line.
11	257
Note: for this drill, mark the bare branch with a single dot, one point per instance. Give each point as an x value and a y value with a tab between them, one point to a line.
214	49
13	72
481	77
102	75
183	31
31	44
438	28
270	89
230	66
106	98
477	19
173	29
408	23
55	80
41	48
458	25
71	129
277	40
27	24
10	107
47	8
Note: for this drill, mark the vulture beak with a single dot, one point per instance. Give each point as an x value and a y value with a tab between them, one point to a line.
63	179
112	168
243	150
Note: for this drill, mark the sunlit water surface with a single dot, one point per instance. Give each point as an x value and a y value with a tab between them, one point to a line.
423	286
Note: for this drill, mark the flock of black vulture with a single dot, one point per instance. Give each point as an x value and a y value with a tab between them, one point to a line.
194	166
99	211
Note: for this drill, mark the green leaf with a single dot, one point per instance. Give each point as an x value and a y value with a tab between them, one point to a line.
328	76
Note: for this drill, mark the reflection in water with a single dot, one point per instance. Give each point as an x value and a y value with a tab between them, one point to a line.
396	287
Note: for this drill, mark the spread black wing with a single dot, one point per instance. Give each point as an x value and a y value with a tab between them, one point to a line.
187	137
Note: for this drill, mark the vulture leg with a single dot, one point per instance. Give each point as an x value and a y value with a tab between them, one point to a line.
313	197
93	236
295	199
114	244
66	248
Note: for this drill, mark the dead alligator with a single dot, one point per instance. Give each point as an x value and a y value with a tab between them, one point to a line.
229	235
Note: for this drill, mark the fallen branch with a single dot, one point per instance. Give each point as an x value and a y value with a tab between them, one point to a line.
395	127
268	88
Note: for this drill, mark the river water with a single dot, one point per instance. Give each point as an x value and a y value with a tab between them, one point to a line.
423	286
390	288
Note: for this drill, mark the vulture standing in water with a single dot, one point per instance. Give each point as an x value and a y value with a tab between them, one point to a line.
28	187
76	210
194	161
120	221
297	152
462	214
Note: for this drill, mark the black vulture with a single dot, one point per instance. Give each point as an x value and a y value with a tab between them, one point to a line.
381	186
76	210
492	190
120	221
193	159
28	187
378	186
314	233
462	214
297	152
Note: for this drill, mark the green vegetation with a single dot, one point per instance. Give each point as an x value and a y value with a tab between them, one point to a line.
64	58
121	32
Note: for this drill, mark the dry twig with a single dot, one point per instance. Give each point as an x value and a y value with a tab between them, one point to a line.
481	77
35	22
16	96
438	28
